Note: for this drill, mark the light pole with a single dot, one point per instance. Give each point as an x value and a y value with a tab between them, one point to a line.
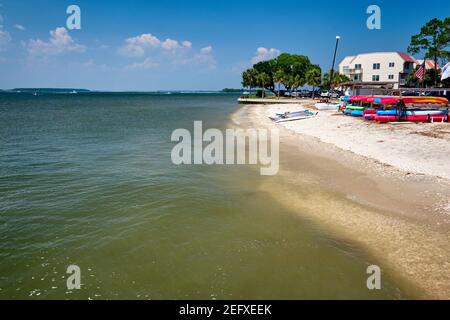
334	60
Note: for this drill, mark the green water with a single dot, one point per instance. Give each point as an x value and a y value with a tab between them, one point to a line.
87	179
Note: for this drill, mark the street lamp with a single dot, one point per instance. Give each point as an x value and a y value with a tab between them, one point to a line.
334	60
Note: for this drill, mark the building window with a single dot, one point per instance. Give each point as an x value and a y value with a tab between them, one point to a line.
391	77
376	66
358	66
375	78
391	64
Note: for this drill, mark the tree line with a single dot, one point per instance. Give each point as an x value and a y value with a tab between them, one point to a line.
291	71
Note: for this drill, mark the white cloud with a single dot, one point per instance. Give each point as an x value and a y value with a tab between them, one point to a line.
205	57
140	46
154	52
202	58
263	54
19	27
187	44
137	46
170	44
60	42
206	50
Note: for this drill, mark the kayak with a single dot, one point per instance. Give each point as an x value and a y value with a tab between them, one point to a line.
293	118
359	98
419	112
389	112
387	100
423	118
370	116
347	111
425	100
385	118
370	111
357	113
355	107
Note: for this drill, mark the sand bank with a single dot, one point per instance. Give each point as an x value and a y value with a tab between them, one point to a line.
347	176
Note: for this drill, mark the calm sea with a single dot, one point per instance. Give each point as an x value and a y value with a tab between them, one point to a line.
86	179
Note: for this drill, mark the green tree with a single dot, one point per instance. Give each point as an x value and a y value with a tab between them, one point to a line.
313	77
279	77
433	40
263	80
430	78
338	79
293	67
249	78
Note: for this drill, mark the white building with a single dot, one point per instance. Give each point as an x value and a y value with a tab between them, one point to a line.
386	67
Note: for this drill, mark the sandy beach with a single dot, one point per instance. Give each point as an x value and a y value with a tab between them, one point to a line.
382	187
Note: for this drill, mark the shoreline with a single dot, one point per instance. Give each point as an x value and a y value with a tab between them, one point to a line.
399	217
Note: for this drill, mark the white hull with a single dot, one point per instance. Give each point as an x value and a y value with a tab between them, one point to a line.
423	112
293	119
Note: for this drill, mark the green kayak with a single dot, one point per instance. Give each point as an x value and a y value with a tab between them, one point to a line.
355	107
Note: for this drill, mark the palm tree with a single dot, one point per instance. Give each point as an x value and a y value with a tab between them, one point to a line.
297	81
262	79
313	78
278	77
338	79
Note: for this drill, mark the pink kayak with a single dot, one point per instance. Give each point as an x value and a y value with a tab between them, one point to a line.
386	118
425	118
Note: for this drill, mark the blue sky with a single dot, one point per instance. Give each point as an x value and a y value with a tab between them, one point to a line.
187	45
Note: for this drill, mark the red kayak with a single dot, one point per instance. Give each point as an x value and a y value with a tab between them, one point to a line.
387	100
386	118
370	111
425	118
359	98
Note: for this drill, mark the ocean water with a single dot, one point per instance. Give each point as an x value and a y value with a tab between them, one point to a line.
87	180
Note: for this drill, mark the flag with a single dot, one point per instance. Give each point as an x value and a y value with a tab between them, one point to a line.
445	72
420	73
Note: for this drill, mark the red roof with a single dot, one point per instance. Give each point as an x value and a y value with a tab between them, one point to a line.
407	57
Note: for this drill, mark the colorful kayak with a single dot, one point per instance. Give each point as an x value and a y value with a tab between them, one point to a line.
427	118
357	113
387	100
385	118
421	112
359	98
425	100
370	116
355	107
389	112
370	111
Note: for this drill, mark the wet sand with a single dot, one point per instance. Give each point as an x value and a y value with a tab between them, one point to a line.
401	218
